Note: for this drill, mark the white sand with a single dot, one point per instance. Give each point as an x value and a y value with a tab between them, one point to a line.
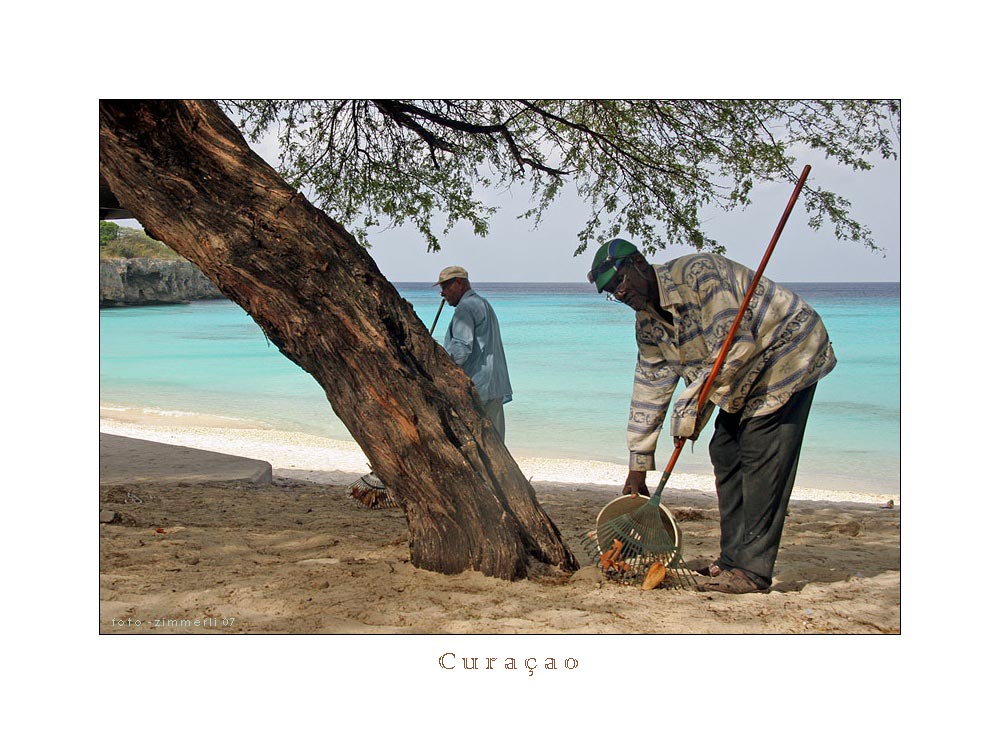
300	556
315	458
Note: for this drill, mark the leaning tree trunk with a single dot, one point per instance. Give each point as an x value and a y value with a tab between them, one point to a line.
186	173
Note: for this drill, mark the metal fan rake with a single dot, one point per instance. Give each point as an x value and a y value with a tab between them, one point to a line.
371	493
639	548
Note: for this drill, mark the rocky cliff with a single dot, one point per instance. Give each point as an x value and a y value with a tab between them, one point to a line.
144	281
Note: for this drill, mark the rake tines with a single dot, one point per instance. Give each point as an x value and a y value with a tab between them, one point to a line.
641	533
370	492
648	571
639	546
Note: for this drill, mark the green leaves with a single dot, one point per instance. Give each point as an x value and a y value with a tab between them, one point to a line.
108	233
646	167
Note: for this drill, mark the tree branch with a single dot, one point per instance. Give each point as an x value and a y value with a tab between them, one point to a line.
401	111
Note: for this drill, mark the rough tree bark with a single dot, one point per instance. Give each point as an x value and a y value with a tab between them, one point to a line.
186	173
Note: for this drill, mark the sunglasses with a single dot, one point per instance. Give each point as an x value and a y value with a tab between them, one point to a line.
604	267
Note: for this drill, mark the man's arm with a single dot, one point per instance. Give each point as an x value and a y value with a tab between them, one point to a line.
652	387
462	332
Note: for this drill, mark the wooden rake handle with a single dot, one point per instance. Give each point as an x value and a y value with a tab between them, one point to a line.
436	316
707	387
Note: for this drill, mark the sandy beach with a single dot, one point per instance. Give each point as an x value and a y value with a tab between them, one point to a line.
300	556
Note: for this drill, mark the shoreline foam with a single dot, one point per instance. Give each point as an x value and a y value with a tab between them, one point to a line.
315	458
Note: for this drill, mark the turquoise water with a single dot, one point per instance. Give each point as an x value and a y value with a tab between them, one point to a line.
570	352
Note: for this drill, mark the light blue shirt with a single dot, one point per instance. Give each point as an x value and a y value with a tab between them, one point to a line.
473	341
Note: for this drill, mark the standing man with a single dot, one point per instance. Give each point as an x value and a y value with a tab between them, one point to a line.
473	341
683	312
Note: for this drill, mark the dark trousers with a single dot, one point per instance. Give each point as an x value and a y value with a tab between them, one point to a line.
755	462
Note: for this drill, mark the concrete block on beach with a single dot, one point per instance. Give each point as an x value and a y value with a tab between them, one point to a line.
133	461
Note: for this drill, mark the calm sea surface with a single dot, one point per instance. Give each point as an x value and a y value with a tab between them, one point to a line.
571	354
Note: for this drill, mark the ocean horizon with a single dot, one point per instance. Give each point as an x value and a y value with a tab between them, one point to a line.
571	355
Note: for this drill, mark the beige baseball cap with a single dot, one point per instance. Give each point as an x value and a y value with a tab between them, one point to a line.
452	271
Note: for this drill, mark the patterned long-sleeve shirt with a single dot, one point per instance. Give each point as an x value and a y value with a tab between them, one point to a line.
780	347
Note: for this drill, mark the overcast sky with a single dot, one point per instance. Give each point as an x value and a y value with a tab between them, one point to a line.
515	252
